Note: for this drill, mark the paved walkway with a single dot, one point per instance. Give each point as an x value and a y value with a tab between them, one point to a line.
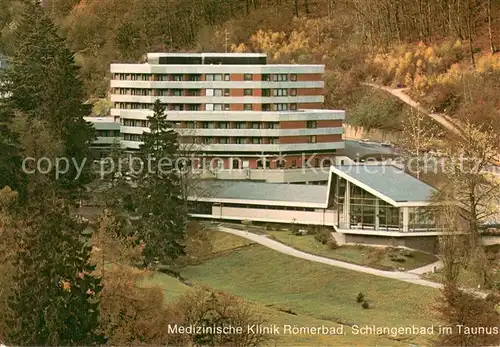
399	93
409	277
277	246
427	268
443	119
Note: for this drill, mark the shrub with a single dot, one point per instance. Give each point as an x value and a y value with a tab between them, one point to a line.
322	236
397	258
246	222
407	253
365	305
332	243
360	297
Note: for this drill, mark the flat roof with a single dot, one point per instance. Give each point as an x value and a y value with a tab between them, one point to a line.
388	180
209	54
260	192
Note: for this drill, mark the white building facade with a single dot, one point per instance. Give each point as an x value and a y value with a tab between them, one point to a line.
240	113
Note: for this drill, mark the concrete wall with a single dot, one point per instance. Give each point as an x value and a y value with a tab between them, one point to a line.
275	216
374	134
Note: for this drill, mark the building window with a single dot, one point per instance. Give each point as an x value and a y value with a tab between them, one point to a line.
227	77
311	124
177	77
280	107
218	107
209	77
209	107
257	140
280	92
178	107
247	77
266	77
274	140
274	125
227	92
294	163
241	140
247	107
194	78
293	77
227	107
218	77
256	125
293	92
217	92
176	92
293	107
241	125
266	92
190	125
224	140
208	140
280	77
193	107
248	92
312	139
223	125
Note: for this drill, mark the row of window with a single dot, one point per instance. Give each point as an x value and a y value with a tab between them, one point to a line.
206	125
208	107
197	77
197	92
207	140
232	125
222	140
107	133
214	140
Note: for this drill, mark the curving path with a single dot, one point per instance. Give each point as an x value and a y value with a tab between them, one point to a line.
410	277
399	93
277	246
440	118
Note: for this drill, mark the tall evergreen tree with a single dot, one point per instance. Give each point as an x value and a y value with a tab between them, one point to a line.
160	204
42	82
56	296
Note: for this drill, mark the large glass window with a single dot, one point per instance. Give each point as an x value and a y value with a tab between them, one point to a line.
390	218
421	219
362	208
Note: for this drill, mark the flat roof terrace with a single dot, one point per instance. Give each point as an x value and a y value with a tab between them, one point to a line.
207	58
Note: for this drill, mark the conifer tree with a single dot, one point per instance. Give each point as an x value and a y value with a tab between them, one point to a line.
160	204
42	82
56	297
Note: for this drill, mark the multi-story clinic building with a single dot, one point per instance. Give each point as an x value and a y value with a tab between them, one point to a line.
235	107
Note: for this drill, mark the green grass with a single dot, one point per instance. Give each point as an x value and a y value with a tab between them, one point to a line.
223	242
171	286
317	291
319	294
362	255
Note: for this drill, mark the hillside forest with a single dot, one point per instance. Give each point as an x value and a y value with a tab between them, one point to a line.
444	51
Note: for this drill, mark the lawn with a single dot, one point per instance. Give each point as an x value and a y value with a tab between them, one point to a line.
368	256
173	288
317	292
